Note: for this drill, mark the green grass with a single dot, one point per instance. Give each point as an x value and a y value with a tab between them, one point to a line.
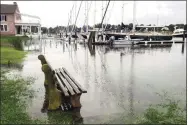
168	111
12	55
12	49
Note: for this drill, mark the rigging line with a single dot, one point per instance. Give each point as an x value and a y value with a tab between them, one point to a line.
70	16
109	16
87	13
77	16
104	14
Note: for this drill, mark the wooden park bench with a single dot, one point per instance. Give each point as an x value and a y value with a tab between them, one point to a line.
70	89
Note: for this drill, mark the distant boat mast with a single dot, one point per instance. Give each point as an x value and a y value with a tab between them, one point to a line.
134	16
94	14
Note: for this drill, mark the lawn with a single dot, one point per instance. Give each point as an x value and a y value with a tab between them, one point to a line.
12	55
12	49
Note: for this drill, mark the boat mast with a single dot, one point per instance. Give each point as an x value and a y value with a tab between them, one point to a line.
102	17
104	14
69	20
134	15
122	11
75	16
87	17
94	14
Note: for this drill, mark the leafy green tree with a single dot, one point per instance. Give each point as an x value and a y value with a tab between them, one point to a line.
171	27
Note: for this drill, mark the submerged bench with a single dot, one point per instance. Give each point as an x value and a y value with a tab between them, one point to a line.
69	88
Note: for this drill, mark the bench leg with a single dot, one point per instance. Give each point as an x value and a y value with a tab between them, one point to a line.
77	118
75	101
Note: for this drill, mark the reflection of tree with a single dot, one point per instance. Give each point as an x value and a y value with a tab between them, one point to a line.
130	90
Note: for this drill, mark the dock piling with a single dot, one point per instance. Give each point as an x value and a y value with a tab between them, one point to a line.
183	36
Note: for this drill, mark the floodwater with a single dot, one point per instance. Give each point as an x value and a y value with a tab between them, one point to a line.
121	82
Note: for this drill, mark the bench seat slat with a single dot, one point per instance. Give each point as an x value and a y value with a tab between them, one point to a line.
62	86
70	82
65	82
77	84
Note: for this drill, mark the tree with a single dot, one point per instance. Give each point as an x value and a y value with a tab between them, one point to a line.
44	30
180	25
171	27
185	27
130	26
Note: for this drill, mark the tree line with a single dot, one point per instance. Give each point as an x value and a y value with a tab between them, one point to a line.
107	27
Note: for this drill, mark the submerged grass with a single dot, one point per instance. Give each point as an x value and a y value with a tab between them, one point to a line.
15	92
168	111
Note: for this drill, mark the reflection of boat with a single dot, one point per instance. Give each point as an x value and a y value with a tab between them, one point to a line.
179	33
82	41
125	41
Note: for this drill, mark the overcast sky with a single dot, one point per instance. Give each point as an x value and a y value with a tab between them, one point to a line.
53	13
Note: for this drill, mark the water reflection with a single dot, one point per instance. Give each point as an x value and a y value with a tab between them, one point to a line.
130	88
116	77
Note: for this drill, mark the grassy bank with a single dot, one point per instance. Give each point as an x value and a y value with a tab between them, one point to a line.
14	94
12	49
12	55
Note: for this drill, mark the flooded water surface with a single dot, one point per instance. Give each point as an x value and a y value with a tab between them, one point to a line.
121	81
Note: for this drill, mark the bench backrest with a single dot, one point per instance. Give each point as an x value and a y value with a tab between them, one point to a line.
67	83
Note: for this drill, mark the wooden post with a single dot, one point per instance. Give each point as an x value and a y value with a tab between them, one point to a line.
182	49
77	116
183	36
75	101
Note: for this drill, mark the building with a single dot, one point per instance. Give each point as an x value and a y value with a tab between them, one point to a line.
12	21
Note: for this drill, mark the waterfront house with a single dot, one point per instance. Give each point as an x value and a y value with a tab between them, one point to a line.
13	24
9	15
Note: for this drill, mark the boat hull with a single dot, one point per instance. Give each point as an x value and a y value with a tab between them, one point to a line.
151	37
124	42
179	35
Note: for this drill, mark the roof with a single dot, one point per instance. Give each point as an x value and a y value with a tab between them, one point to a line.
8	8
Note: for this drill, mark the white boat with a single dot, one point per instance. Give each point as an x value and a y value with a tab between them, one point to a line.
125	41
179	33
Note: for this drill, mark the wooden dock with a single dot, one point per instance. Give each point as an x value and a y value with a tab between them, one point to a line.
158	42
142	42
100	43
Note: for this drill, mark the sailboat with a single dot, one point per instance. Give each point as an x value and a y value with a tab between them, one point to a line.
127	39
147	36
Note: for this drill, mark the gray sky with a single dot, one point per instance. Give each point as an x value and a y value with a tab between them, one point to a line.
53	13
